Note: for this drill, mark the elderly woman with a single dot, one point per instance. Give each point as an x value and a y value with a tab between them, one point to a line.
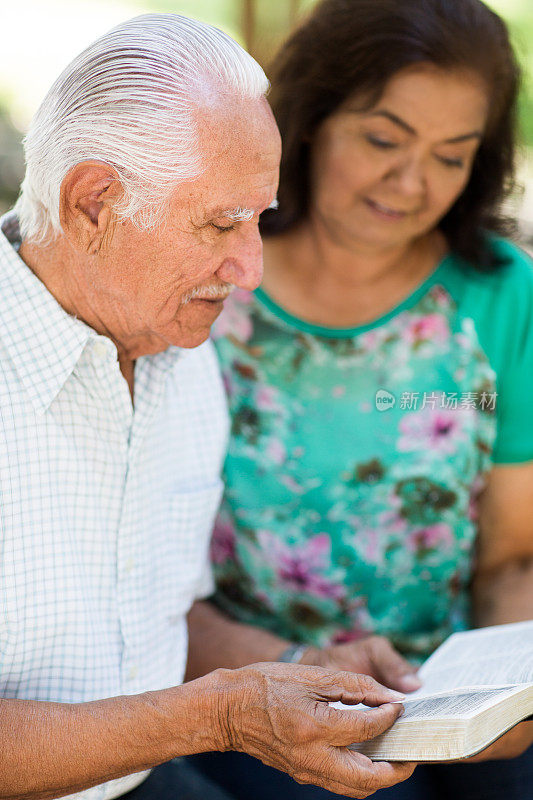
380	470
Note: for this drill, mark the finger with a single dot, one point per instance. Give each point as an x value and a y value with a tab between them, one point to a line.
379	774
349	727
351	688
354	775
391	668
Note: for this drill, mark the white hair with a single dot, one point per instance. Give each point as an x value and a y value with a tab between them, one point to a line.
129	100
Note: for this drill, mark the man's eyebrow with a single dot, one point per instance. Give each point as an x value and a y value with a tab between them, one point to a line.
236	214
406	127
240	214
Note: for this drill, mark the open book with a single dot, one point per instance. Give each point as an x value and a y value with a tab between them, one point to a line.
477	686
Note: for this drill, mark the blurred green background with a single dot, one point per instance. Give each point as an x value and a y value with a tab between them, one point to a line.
41	36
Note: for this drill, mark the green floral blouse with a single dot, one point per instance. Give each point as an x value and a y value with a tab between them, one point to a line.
356	455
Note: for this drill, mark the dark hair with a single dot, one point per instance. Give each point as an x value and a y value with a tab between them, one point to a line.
353	47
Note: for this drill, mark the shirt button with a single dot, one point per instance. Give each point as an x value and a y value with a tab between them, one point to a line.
130	565
132	674
100	349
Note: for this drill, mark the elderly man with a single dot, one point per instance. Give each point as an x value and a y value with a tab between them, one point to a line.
148	165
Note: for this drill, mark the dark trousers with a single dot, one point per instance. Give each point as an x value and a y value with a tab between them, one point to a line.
244	778
176	780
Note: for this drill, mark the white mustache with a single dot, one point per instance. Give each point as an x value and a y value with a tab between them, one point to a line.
218	292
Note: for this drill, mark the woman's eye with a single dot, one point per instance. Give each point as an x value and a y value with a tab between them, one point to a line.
377	141
223	228
458	163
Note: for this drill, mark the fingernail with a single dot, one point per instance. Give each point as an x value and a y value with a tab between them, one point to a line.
411	682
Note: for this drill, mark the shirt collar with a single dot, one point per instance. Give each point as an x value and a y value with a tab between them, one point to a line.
43	341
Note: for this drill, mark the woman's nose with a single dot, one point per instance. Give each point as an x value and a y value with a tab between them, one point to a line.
410	179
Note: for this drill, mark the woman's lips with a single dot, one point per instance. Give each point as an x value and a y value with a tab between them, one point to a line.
384	211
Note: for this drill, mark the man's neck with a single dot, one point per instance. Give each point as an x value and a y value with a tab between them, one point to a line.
57	267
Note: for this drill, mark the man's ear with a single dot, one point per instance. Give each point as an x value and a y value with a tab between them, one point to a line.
85	204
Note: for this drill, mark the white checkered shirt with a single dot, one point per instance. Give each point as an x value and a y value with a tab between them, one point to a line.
105	512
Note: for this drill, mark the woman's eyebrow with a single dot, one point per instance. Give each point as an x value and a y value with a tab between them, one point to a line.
393	118
464	137
406	127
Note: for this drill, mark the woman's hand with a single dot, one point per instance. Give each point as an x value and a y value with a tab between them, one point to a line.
373	655
510	745
280	713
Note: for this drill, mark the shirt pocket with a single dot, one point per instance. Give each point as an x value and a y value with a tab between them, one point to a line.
186	558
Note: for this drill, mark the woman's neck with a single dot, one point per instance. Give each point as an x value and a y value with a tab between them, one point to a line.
336	286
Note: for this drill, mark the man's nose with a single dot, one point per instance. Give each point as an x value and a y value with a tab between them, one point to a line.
244	266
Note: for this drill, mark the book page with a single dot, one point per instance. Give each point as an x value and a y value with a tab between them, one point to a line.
496	657
458	704
493	656
450	725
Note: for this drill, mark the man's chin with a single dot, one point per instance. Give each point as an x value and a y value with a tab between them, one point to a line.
191	343
193	338
196	318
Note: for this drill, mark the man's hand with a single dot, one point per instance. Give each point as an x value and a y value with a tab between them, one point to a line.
280	714
374	656
510	745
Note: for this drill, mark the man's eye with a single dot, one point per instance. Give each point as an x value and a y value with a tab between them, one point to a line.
223	228
376	141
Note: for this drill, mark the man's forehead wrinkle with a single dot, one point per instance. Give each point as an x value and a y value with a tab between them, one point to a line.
240	161
226	151
191	211
229	126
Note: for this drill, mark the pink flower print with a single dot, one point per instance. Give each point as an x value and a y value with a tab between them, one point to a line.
430	538
229	385
390	521
430	327
473	500
291	484
234	319
440	296
361	624
242	296
372	339
372	543
264	598
338	391
223	542
432	429
276	451
265	398
299	568
371	546
353	635
473	508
